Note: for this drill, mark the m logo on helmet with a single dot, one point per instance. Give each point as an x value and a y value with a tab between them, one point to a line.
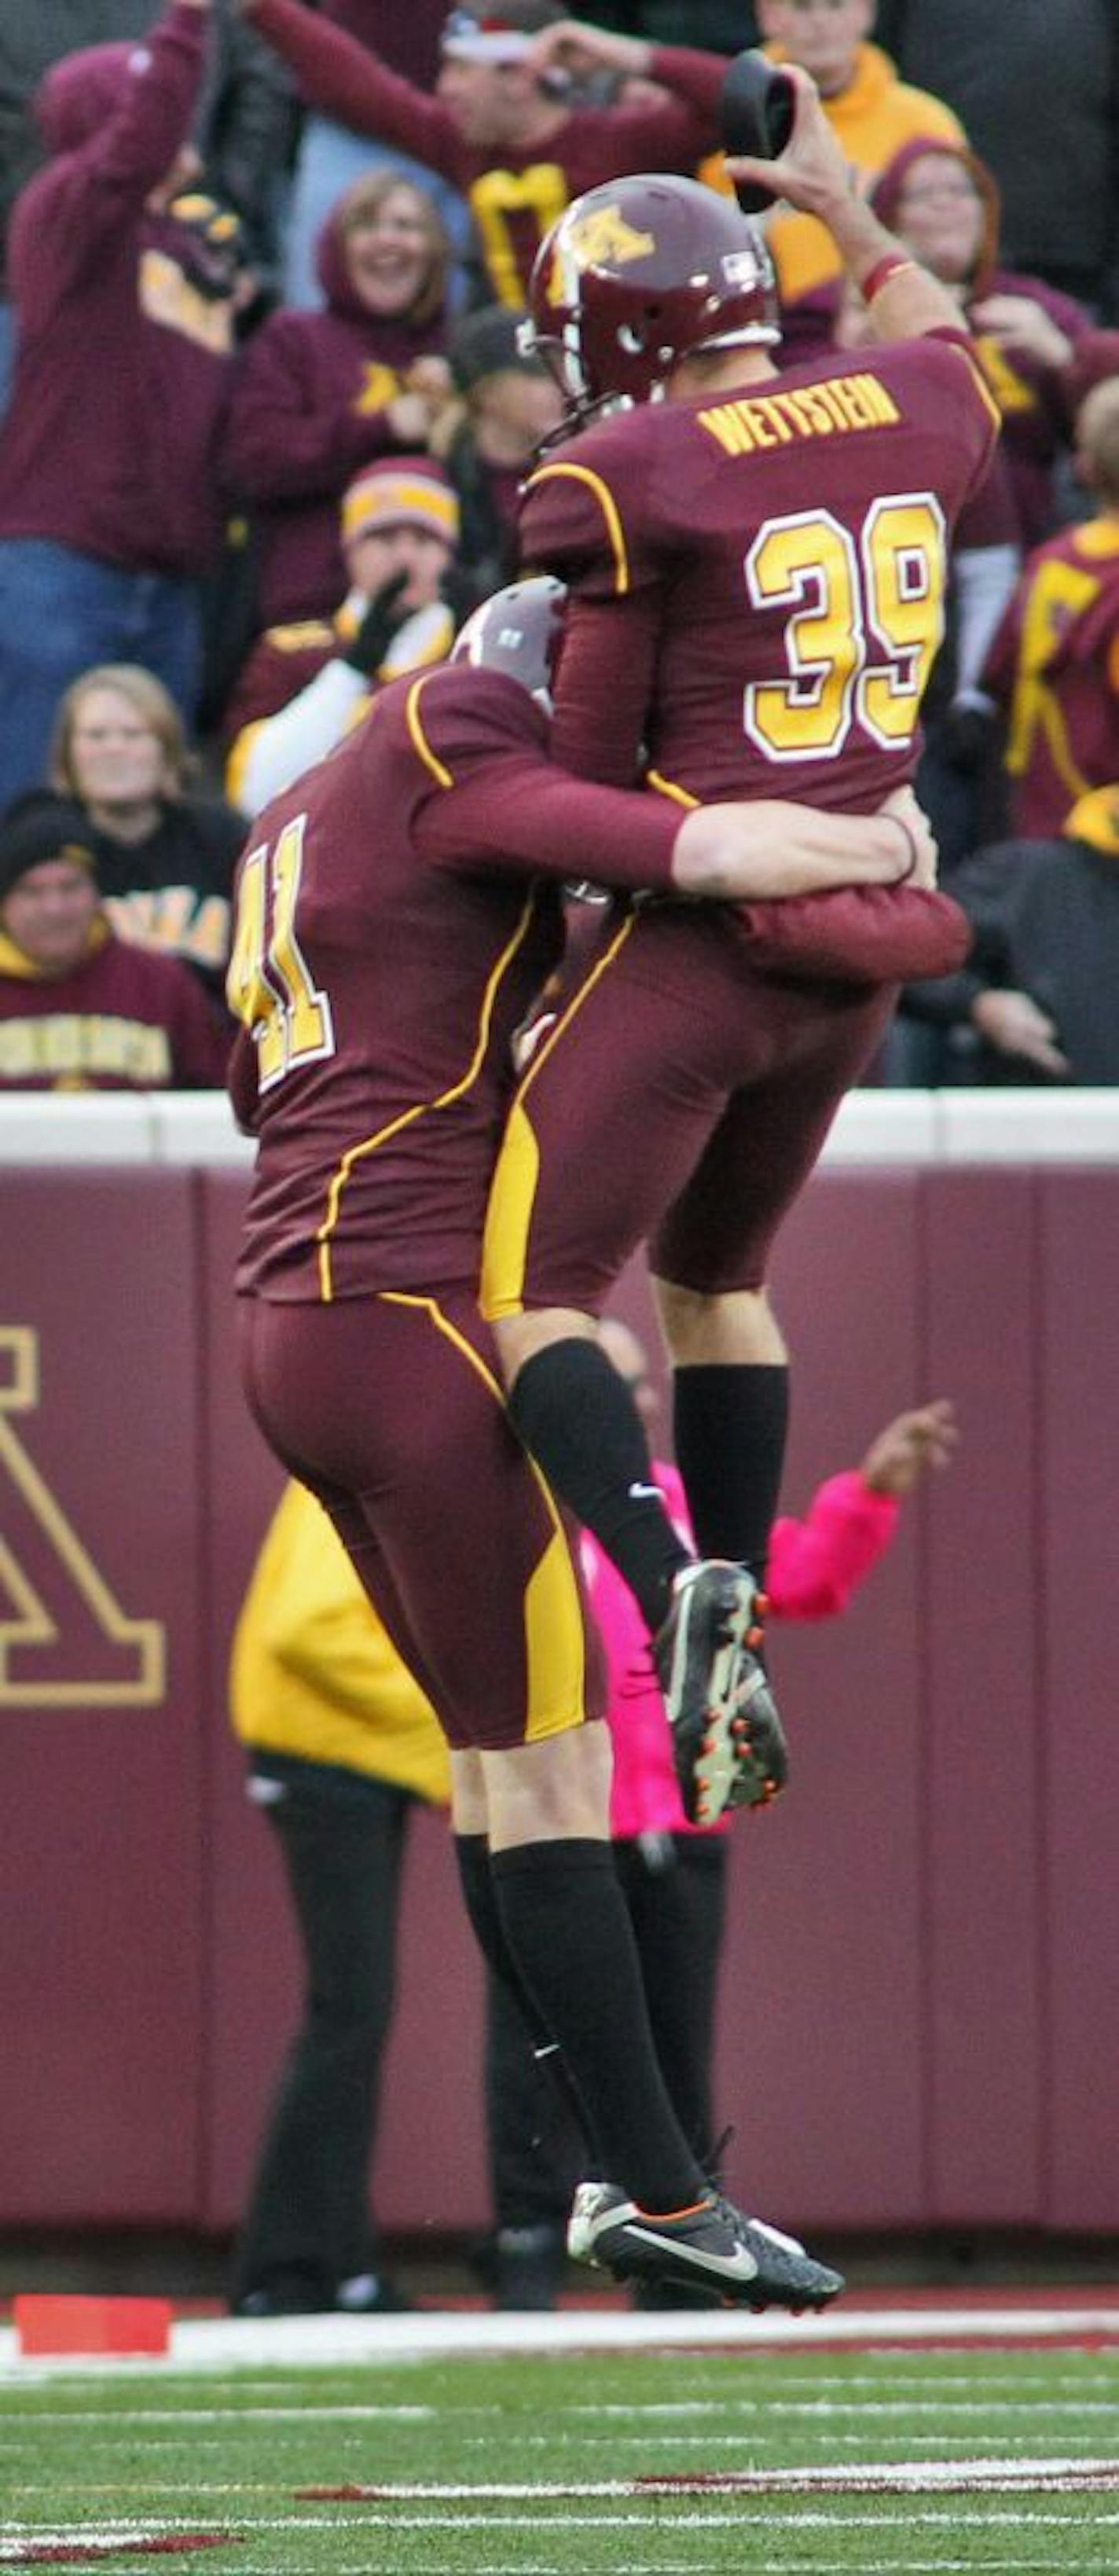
603	234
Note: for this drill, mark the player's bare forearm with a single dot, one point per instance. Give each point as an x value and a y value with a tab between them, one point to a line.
812	175
761	852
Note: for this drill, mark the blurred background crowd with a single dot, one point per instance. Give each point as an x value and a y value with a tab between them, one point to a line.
265	416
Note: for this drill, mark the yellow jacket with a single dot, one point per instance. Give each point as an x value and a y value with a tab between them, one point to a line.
313	1674
872	118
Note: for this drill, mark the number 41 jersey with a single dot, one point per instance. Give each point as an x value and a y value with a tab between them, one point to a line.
759	574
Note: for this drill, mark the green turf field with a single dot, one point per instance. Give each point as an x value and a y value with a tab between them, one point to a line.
529	2465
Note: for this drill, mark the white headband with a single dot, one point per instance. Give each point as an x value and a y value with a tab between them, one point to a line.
468	42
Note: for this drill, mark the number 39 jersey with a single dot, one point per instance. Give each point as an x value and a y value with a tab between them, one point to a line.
759	574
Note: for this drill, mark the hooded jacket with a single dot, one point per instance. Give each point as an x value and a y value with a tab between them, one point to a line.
125	318
1036	401
1033	396
309	409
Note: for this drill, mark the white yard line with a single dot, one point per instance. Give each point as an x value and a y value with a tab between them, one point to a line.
233	2343
883	2477
118	2535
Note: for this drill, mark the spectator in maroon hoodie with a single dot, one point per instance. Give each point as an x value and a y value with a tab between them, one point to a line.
109	503
319	395
81	1010
331	155
942	200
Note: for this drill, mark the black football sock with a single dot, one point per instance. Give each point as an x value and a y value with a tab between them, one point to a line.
472	1852
568	1926
730	1426
579	1419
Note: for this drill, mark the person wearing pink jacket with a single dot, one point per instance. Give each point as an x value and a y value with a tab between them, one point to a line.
674	1875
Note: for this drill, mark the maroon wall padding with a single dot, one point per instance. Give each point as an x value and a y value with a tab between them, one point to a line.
1078	1932
820	2065
984	1693
983	1703
918	2014
101	2003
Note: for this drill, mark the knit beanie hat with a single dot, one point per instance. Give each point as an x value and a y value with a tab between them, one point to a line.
42	826
400	491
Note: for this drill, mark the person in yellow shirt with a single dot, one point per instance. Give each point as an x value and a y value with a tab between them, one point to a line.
872	112
341	1745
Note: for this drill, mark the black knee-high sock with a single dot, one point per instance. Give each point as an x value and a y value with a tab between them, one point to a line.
579	1419
730	1426
472	1852
566	1923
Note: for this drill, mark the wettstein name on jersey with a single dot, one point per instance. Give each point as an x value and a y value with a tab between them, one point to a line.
812	411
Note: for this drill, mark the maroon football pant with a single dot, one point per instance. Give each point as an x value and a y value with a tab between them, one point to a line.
389	1409
681	1102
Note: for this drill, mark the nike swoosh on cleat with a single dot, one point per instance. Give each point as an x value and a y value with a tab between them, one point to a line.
644	1493
739	2266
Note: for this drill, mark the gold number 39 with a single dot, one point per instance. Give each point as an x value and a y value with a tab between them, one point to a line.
865	619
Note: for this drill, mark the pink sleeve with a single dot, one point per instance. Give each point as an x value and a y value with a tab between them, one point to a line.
816	1564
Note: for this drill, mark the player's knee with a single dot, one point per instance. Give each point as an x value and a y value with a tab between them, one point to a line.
520	1337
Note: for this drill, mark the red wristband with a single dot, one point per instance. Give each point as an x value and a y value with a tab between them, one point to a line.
891	265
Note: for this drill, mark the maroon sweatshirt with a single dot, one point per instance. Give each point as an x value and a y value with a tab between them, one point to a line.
407	39
309	409
516	195
124	362
125	1019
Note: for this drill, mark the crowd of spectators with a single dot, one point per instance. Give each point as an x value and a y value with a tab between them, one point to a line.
266	412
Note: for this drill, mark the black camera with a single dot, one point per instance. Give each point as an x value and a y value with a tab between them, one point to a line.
756	114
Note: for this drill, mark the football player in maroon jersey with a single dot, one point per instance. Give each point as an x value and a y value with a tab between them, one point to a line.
396	910
757	563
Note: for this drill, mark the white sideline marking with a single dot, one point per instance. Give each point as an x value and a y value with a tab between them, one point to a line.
871	2477
210	2343
812	2518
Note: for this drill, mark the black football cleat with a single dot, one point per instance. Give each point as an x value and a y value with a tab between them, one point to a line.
710	2246
728	1743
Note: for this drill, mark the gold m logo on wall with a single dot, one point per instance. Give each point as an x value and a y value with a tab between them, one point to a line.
65	1642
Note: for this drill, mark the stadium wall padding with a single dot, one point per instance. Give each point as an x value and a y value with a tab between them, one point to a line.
919	2021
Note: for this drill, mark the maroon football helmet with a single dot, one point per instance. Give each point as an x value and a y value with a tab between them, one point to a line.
636	274
517	630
